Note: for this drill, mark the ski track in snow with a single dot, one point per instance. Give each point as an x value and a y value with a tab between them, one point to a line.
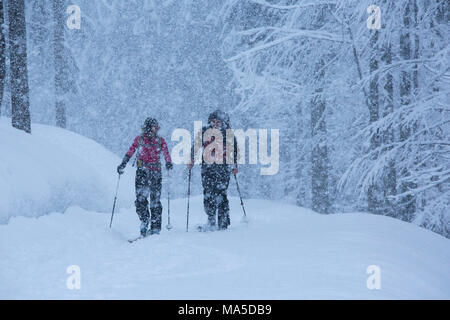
285	252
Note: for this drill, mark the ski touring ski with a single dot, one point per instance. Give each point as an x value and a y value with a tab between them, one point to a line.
149	233
135	239
205	228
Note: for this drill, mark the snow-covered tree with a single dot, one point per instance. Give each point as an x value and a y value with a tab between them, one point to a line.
384	94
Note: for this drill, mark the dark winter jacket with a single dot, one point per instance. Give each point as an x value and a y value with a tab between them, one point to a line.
198	141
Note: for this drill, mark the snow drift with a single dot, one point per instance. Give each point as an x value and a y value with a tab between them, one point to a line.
285	252
53	169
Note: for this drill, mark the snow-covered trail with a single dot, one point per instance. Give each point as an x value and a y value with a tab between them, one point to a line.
285	252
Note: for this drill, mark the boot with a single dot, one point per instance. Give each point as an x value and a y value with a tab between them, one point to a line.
142	211
223	213
144	227
211	225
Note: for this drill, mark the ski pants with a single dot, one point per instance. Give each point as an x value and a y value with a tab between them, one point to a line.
148	184
215	180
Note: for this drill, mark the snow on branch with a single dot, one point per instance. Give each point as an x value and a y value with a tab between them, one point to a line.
319	35
290	7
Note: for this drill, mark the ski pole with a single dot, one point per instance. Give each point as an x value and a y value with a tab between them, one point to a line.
240	196
114	205
189	193
169	226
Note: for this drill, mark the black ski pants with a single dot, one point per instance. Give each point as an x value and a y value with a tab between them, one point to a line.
148	183
215	180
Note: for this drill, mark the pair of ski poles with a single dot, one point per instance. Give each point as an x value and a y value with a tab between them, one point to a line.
245	219
168	226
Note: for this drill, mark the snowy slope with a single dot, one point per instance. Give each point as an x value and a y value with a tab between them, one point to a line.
285	252
53	169
57	187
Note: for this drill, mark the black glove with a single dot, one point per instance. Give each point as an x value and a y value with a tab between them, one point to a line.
121	167
169	165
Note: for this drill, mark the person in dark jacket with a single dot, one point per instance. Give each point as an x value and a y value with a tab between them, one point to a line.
216	174
148	181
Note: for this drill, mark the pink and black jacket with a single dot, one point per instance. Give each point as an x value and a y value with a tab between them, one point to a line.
149	149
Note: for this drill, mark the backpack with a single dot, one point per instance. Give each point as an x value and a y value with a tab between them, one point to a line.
138	151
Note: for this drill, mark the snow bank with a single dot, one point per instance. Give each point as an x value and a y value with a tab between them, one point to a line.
285	252
53	169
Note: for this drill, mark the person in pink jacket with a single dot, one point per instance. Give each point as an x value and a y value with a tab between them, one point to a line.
148	181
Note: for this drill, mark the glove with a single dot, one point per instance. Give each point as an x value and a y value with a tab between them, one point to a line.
121	167
169	165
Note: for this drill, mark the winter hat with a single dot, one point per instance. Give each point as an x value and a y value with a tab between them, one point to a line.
220	115
149	123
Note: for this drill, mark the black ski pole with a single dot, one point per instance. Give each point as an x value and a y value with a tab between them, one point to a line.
114	205
242	202
189	193
169	226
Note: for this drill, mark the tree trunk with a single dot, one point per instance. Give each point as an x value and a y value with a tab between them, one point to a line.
416	47
60	63
319	156
18	66
2	55
390	180
299	159
407	203
374	193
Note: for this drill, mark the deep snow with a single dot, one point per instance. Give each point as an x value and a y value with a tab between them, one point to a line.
57	189
53	169
285	252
